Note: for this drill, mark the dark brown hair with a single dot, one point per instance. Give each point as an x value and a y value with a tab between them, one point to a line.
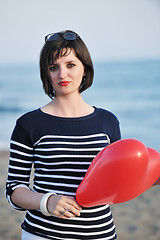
54	49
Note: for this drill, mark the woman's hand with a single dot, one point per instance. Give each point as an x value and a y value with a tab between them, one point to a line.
63	206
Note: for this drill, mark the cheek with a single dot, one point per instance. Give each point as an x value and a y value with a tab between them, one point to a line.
78	78
80	73
53	78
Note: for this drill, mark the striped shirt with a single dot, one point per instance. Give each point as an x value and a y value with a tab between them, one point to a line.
61	150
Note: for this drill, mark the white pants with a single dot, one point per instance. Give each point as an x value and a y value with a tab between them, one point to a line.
30	236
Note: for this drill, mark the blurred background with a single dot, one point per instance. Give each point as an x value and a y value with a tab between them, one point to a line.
123	38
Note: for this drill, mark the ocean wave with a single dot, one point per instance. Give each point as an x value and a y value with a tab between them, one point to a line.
11	109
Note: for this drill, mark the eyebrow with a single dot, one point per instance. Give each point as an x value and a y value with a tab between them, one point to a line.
70	61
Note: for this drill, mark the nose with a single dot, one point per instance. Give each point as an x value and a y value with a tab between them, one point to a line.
62	72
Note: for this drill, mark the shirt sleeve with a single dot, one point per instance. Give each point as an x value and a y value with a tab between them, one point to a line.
116	133
20	163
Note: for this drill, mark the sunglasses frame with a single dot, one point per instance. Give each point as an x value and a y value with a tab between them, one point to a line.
69	36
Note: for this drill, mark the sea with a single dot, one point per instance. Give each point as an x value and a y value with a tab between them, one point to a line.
129	89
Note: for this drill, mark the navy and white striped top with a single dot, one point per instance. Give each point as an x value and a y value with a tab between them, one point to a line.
61	150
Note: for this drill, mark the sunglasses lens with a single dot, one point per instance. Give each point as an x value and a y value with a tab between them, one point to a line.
69	36
52	37
66	36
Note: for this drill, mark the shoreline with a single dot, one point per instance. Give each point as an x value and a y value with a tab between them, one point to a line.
135	219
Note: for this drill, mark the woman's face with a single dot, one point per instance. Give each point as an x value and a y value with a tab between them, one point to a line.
66	74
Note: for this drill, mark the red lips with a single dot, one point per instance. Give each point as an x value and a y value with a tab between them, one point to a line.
64	83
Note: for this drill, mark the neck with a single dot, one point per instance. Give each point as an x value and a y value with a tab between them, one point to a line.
68	107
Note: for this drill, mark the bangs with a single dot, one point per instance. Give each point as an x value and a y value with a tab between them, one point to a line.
54	55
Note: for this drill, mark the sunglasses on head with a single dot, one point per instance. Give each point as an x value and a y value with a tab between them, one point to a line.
66	35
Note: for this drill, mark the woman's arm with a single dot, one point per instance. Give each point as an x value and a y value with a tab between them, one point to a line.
56	204
26	198
20	164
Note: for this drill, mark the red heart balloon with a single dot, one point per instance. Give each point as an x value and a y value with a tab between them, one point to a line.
153	170
115	174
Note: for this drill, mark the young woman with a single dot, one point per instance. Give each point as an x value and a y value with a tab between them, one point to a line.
60	141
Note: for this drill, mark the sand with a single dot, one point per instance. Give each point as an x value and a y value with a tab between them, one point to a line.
138	219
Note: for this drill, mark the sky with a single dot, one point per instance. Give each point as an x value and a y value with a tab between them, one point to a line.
111	29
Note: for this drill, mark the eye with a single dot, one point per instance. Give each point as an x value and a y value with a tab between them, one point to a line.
53	67
70	65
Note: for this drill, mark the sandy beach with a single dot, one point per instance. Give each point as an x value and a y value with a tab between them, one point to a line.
138	219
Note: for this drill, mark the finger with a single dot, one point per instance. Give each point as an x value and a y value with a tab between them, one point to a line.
67	214
64	214
72	210
60	213
74	203
63	203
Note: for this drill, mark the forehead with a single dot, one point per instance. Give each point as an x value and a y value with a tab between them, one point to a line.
65	55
